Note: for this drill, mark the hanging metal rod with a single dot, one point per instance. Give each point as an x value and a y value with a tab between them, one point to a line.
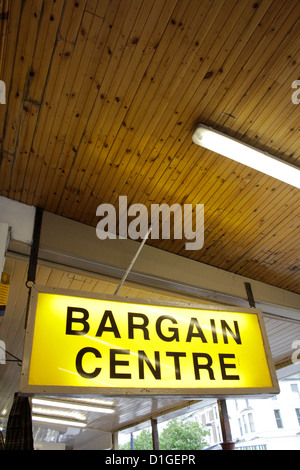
133	260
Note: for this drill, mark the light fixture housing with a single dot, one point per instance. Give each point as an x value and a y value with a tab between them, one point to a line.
247	155
58	421
73	405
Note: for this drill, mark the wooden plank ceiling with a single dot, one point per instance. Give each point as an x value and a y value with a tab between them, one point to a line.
103	97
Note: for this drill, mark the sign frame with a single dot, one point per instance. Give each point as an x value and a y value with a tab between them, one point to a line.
27	389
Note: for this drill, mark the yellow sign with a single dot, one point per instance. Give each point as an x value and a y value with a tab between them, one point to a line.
124	346
4	290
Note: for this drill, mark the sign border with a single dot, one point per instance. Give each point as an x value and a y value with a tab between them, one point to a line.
26	389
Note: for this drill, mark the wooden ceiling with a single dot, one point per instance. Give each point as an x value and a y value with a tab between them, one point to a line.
103	97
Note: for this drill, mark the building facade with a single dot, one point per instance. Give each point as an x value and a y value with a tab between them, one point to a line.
260	424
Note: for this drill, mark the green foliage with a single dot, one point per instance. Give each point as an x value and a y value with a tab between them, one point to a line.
177	435
142	441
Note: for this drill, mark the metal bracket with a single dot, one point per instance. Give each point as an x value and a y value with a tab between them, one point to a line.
31	275
250	294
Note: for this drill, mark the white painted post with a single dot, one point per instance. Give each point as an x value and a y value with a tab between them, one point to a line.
4	233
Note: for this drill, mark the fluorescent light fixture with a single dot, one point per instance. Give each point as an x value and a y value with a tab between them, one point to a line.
247	155
91	401
58	412
72	406
58	421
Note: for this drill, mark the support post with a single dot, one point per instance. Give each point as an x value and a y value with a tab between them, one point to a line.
227	443
155	439
115	441
131	441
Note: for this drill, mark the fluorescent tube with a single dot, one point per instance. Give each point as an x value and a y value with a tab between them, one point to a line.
64	422
247	155
72	406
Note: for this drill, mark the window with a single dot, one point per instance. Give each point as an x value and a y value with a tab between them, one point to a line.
219	433
241	427
295	389
298	415
214	434
278	419
251	422
245	424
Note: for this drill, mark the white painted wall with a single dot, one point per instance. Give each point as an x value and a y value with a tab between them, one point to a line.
4	228
19	217
92	440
